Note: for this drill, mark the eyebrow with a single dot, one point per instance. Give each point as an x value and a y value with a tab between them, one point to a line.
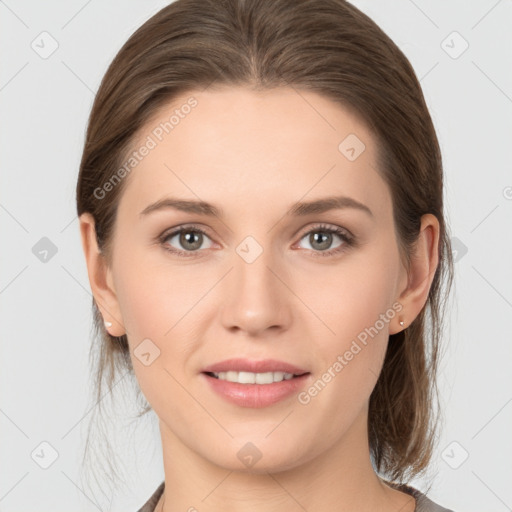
297	209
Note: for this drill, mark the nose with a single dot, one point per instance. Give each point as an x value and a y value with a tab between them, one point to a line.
258	297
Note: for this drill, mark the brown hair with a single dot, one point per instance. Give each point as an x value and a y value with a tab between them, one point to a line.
329	47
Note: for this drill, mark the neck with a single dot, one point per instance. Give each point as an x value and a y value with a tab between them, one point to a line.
340	478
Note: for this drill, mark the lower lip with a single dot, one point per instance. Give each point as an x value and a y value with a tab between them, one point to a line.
256	395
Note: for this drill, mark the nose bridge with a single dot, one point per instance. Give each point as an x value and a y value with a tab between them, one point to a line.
257	298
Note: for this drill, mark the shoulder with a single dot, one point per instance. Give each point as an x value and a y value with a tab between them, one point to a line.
150	505
423	503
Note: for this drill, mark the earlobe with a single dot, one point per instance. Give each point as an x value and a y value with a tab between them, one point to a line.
424	262
100	278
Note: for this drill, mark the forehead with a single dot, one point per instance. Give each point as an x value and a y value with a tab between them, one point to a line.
248	148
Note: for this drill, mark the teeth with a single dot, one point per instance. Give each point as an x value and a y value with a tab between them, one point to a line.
253	378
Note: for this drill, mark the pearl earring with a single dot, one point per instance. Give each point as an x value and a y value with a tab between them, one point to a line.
401	323
108	324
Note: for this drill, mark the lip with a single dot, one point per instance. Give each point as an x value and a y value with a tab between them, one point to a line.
256	395
246	365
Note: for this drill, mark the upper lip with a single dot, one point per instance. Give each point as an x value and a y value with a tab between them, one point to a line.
247	365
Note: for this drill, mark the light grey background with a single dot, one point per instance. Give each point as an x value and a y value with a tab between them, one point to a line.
45	305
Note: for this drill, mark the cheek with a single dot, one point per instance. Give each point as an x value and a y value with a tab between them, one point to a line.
154	304
143	302
355	306
155	298
160	304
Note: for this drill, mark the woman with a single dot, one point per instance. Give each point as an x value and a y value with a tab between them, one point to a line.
261	211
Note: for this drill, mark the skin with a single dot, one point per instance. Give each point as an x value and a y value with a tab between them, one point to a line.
254	154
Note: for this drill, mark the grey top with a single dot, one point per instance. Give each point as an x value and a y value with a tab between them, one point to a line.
423	504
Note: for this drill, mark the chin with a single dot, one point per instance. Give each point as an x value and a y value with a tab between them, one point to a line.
260	456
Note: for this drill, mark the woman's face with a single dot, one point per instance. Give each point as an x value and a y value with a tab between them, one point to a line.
266	280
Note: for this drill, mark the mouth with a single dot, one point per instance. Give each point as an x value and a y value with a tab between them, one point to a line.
246	368
255	390
254	378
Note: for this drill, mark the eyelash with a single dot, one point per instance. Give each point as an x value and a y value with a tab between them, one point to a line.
346	237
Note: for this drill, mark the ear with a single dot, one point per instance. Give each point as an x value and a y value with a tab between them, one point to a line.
100	277
416	283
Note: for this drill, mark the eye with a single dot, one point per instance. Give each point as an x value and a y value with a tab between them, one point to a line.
321	238
188	238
